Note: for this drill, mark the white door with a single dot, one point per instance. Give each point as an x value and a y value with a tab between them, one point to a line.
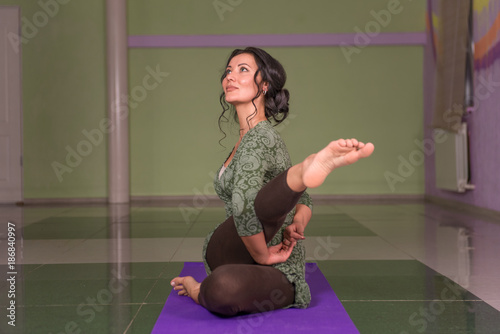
10	107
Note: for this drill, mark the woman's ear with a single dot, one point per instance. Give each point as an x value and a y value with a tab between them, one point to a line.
265	86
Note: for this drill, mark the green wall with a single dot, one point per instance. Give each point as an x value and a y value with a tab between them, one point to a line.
63	87
174	135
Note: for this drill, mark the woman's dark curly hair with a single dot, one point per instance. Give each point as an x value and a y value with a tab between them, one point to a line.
276	98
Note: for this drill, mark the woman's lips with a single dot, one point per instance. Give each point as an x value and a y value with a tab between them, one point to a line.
231	88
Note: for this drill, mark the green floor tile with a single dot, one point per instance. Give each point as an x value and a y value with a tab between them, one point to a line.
146	319
158	230
153	215
93	271
341	219
99	210
36	214
160	292
316	231
201	229
439	317
387	288
112	319
330	221
101	228
211	214
389	280
162	288
172	269
336	225
65	228
84	271
75	292
373	268
24	268
381	296
319	209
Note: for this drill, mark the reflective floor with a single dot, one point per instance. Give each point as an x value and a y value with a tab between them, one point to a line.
397	268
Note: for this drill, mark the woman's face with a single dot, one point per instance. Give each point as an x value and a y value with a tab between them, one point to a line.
239	85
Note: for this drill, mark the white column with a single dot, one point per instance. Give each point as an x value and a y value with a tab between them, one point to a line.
118	142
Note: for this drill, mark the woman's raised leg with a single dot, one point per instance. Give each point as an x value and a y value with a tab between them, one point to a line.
271	206
312	172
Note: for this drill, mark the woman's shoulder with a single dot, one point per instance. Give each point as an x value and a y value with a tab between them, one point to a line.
264	132
264	142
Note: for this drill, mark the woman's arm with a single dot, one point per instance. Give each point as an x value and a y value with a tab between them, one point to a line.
251	165
257	247
303	215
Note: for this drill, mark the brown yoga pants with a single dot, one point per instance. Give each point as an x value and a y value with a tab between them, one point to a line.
237	283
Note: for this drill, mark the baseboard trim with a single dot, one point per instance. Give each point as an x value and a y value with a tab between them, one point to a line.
214	201
366	199
192	201
65	201
187	201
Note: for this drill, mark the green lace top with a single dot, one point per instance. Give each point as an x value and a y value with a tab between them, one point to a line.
261	156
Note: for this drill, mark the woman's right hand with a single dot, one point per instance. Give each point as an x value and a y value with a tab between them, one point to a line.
293	232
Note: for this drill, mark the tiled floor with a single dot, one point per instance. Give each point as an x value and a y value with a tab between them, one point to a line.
397	268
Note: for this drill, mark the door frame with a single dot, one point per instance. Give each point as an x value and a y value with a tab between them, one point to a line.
18	196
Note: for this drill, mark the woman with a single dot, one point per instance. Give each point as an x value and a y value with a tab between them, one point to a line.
254	259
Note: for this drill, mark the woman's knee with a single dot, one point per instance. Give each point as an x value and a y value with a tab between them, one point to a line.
219	292
232	289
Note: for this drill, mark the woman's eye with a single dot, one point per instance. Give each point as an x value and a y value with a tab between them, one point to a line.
228	71
243	69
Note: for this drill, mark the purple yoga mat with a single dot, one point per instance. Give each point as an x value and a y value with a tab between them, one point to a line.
325	314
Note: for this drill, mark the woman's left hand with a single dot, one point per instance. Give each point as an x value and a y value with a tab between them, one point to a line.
279	253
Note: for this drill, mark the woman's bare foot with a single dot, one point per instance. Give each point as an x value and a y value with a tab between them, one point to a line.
342	152
186	286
